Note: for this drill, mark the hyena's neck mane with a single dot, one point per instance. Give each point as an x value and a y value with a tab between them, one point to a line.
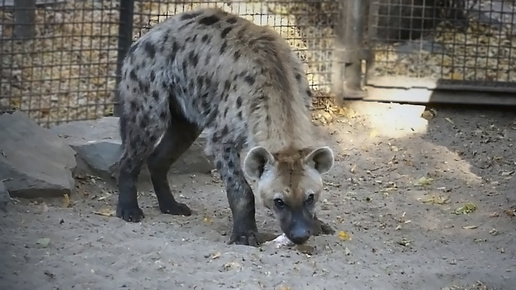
280	119
291	158
283	123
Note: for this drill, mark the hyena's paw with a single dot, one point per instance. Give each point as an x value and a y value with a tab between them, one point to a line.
175	208
248	238
129	213
321	228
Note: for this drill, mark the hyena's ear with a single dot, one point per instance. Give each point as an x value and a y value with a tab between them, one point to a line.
256	160
321	159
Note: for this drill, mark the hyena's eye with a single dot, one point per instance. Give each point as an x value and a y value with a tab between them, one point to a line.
310	199
279	203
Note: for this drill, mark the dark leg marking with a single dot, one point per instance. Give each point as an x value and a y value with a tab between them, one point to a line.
127	208
135	149
321	228
239	193
178	138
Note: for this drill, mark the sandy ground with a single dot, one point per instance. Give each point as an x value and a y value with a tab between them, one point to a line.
394	189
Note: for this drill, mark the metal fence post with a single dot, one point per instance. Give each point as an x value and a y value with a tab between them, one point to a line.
125	35
349	50
24	18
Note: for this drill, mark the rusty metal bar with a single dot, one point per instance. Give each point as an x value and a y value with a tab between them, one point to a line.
401	82
349	50
24	19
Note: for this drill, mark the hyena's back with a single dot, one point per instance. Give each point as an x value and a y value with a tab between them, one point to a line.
217	70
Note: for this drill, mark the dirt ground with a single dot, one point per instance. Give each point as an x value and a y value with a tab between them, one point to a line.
416	204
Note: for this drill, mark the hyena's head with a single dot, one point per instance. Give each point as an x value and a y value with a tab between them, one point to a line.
290	184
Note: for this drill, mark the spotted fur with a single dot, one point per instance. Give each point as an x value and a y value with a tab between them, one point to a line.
210	70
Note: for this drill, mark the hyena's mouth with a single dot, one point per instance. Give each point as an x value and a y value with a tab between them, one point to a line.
299	239
299	233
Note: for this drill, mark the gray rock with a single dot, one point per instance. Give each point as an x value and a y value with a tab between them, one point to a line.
98	145
34	162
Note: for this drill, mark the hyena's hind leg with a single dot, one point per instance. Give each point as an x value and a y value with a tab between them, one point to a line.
180	135
138	141
239	193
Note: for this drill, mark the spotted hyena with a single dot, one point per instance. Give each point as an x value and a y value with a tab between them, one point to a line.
209	70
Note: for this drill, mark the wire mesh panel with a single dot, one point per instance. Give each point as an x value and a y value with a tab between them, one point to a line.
58	58
467	43
306	25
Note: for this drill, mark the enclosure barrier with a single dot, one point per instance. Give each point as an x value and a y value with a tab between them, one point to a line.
458	51
60	59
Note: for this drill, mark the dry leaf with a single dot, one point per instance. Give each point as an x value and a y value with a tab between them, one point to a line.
449	120
470	227
344	236
424	181
427	115
404	242
507	173
105	212
353	168
231	265
66	200
466	209
43	242
305	249
510	212
216	255
437	200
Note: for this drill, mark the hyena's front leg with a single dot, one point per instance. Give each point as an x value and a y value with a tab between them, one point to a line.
321	228
240	196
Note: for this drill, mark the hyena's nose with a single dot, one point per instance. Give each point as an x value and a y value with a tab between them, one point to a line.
299	235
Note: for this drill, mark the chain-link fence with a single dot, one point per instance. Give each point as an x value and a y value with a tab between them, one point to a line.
60	63
308	26
467	44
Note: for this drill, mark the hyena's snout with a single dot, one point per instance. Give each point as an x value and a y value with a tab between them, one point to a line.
298	229
299	234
